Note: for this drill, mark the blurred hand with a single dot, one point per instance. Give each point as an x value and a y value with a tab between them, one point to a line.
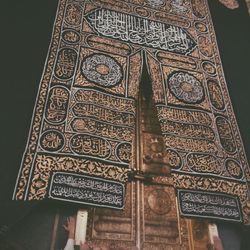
84	246
70	227
217	243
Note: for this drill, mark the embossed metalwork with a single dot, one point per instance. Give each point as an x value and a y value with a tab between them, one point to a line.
158	223
159	201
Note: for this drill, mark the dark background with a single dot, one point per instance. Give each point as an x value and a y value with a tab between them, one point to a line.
26	28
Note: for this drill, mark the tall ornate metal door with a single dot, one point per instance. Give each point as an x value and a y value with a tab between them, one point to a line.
150	219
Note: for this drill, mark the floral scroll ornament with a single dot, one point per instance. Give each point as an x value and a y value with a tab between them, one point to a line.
230	4
186	87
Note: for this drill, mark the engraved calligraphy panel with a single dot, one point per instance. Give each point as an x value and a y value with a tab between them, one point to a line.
108	45
87	145
208	68
65	63
225	134
73	14
188	144
57	105
141	31
234	168
208	204
215	94
88	125
52	140
103	114
198	8
187	130
114	228
159	213
201	27
70	36
204	163
205	46
86	189
123	152
101	98
183	115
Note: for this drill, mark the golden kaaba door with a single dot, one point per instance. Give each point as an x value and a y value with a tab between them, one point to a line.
150	219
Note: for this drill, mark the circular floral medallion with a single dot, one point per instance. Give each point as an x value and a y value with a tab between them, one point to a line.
102	70
159	201
185	87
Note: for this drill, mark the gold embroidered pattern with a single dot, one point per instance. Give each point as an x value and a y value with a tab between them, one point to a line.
84	119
